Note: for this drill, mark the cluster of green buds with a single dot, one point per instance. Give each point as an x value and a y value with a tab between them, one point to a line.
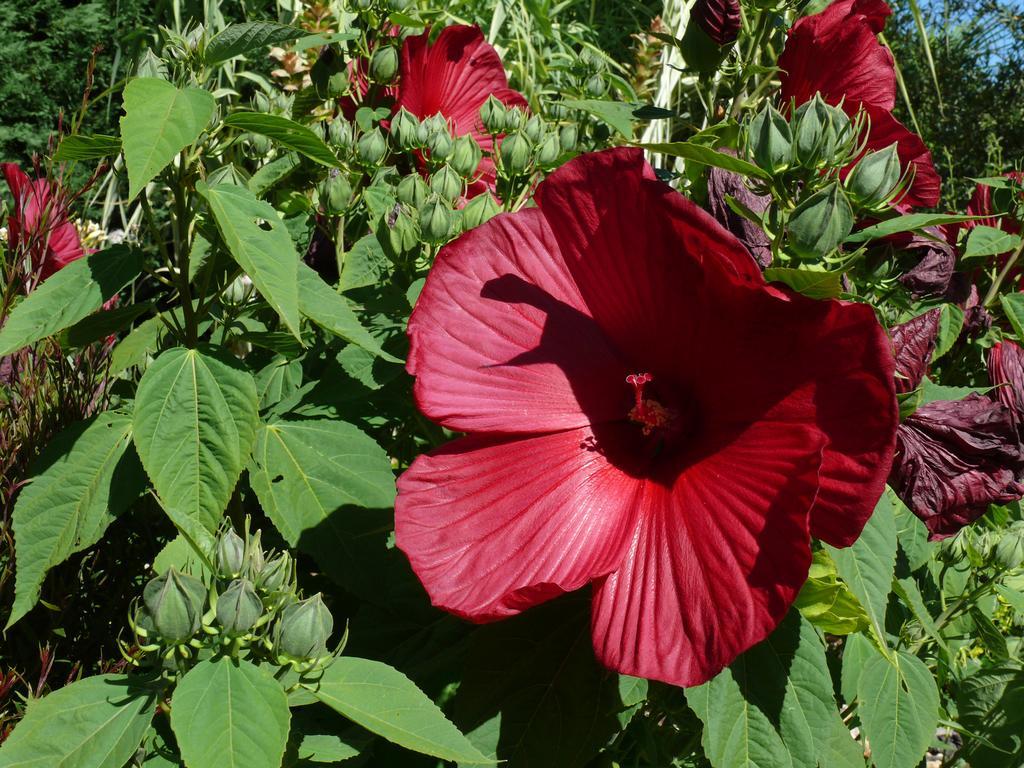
807	155
334	193
1000	548
247	603
527	142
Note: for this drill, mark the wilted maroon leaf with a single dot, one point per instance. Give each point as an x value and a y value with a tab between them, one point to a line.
954	458
912	345
722	183
1006	372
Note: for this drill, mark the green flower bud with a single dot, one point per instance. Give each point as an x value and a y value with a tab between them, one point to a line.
259	145
821	222
364	5
175	602
875	177
404	128
446	183
339	134
492	115
481	208
558	110
596	85
399	5
261	102
821	130
384	64
413	190
239	607
534	129
304	628
436	221
466	156
568	135
771	140
372	147
402	235
549	151
230	555
591	61
335	193
276	574
515	118
440	145
1009	551
516	153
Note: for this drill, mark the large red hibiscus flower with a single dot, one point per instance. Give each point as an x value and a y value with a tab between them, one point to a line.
837	53
645	414
453	77
39	223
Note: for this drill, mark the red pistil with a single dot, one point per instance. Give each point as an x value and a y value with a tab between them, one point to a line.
648	413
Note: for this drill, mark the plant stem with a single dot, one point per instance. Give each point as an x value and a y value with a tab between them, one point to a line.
993	292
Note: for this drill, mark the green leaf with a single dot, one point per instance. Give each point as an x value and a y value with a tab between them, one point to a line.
898	708
306	470
273	172
1013	306
364	264
319	40
230	713
238	39
196	413
827	602
737	734
816	285
867	566
951	322
331	311
991	707
159	121
699	153
986	241
386	702
907	223
285	132
930	392
96	722
910	532
102	324
84	478
133	349
532	693
618	114
79	147
267	255
67	296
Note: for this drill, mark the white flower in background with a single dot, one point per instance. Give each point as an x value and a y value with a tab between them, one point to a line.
90	233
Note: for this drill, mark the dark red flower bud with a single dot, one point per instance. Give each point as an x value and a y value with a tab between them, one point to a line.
1006	372
722	183
720	19
936	259
954	458
912	345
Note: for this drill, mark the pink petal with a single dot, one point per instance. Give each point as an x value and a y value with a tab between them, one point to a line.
494	525
501	340
716	561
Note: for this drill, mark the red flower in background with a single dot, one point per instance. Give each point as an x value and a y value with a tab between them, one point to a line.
981	205
645	414
453	77
837	53
953	457
39	223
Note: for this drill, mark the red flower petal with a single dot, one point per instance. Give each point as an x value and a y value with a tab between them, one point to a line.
453	77
716	560
502	341
638	250
825	364
837	52
494	525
